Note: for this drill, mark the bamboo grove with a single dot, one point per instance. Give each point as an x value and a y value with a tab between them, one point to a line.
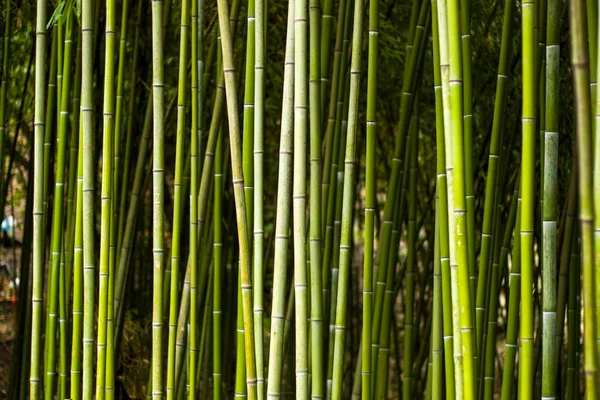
304	198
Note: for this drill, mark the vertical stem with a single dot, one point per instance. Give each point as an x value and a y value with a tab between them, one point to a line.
38	205
238	183
580	64
370	201
157	196
282	223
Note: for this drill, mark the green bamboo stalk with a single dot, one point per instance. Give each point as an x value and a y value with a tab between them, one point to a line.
526	367
54	281
348	200
157	196
317	385
248	172
238	182
248	127
337	111
493	167
38	205
370	201
258	225
337	231
549	349
448	133
301	127
398	161
282	223
129	129
89	172
78	283
178	200
73	167
325	56
579	61
411	266
190	287
442	194
460	259
436	370
201	71
500	265
217	274
465	30
106	201
512	329
48	129
118	171
64	293
330	137
114	213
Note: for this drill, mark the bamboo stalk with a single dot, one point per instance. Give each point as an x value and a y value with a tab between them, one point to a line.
348	200
370	197
238	182
579	61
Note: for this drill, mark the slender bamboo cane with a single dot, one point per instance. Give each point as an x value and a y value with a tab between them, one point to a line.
398	161
370	197
449	156
411	267
512	329
54	281
238	182
77	283
342	126
63	125
258	225
88	138
460	226
493	166
442	194
248	172
550	191
282	223
348	202
119	126
301	127
337	118
465	37
317	386
526	367
107	161
38	205
325	56
48	129
579	61
128	134
178	199
158	196
332	116
217	268
499	264
436	371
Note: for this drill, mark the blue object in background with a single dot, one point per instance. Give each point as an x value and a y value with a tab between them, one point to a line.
8	226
